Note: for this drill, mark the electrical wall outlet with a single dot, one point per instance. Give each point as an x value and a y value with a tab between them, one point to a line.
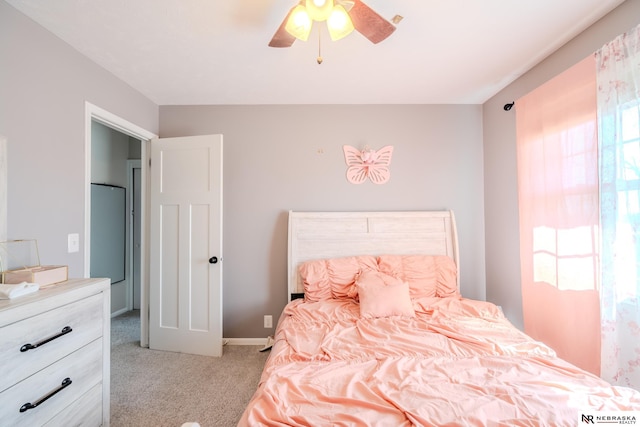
268	321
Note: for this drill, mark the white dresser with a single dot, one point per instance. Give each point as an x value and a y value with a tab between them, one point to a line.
54	356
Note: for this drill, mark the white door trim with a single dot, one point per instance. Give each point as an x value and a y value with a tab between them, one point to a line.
131	165
95	113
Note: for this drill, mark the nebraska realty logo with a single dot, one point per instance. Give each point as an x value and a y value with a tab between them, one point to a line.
618	418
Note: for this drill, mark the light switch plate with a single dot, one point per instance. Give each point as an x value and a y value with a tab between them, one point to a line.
73	243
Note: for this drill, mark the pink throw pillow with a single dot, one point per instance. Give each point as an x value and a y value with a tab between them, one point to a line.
333	277
382	295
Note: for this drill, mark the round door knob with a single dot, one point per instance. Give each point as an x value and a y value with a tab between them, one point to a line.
213	260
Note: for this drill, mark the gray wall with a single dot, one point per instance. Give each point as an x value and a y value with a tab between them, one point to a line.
280	158
44	84
500	189
109	154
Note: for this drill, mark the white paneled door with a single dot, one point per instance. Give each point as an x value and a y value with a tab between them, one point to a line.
185	296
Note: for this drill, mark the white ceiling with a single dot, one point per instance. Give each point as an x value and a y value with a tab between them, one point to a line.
191	52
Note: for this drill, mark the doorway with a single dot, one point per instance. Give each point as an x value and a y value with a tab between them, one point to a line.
130	130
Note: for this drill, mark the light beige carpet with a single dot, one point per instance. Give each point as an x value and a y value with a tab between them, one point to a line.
156	388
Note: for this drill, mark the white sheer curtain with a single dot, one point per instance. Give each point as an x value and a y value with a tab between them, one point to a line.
618	78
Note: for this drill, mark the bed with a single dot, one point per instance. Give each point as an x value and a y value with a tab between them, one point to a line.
377	333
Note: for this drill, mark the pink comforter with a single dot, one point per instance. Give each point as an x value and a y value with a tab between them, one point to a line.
459	362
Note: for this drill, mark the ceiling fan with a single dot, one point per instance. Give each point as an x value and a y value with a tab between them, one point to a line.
342	17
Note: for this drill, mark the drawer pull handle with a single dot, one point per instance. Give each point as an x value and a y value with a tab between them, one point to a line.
28	347
65	383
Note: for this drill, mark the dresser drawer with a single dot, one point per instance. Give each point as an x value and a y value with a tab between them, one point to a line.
83	367
84	317
84	412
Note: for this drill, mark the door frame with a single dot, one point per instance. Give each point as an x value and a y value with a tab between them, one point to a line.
95	113
131	165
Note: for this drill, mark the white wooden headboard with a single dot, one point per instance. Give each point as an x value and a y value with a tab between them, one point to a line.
320	235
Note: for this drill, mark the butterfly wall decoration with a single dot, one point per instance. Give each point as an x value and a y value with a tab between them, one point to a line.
368	163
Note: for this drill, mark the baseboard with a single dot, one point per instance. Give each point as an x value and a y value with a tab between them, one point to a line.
244	341
119	312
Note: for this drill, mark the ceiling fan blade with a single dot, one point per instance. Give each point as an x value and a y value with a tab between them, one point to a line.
282	38
368	23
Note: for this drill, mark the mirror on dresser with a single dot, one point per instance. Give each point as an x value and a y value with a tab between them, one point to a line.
3	189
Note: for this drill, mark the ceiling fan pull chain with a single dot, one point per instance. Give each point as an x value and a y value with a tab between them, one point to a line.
319	58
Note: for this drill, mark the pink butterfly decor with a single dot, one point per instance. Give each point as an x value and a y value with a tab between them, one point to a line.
368	163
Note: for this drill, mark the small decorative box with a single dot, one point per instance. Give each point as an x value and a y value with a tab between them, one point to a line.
20	262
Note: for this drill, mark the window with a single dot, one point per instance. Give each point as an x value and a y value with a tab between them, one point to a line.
626	193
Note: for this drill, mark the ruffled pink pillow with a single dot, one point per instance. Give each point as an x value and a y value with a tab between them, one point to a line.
427	275
382	295
334	277
315	278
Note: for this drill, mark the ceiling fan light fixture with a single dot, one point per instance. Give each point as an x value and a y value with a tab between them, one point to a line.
319	10
349	15
339	23
299	23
